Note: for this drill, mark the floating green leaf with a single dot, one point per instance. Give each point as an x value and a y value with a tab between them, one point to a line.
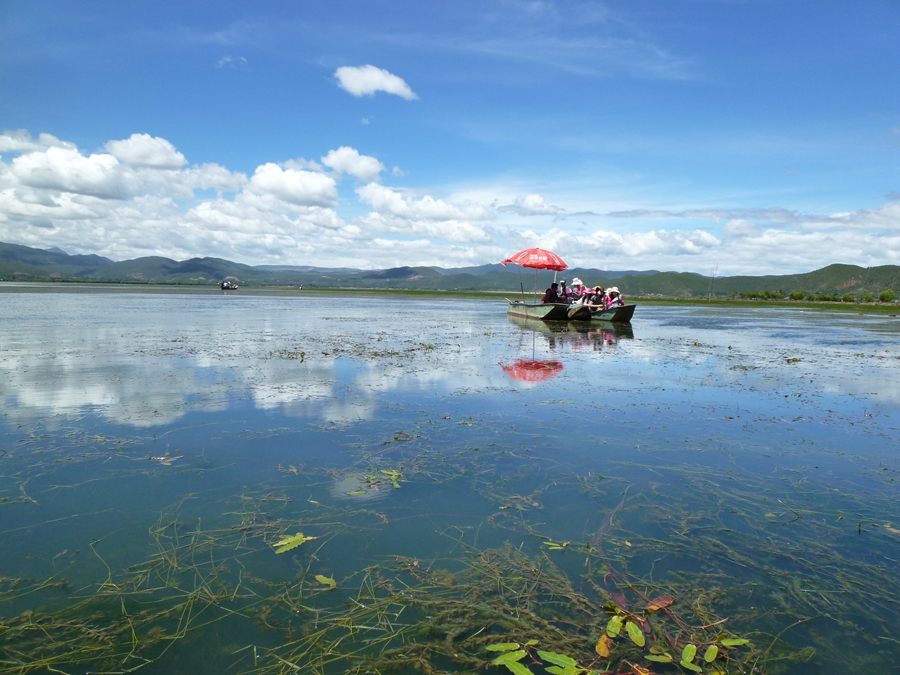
568	670
711	654
503	647
691	666
734	642
509	657
659	658
288	543
557	659
531	643
614	627
327	581
518	669
634	632
555	546
690	651
357	492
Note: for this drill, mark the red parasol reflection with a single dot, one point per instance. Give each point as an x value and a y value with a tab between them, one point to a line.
532	370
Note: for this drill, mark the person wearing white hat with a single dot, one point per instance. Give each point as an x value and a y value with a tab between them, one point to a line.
577	290
615	298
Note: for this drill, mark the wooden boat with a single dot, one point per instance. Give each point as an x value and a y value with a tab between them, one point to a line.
228	286
563	312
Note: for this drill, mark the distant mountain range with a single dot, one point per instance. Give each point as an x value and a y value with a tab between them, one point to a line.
32	264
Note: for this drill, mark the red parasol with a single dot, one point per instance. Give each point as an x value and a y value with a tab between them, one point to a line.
537	258
534	370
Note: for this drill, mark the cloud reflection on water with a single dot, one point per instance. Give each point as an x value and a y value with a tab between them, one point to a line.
143	361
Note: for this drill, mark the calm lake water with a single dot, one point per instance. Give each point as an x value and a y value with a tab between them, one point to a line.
459	480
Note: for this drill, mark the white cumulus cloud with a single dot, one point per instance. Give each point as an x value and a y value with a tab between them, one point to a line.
367	80
20	141
348	160
67	170
143	198
146	150
303	188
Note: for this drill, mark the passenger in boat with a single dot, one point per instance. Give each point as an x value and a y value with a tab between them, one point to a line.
578	291
598	297
551	295
615	298
565	294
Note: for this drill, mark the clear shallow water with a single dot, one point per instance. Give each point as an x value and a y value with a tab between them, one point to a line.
156	447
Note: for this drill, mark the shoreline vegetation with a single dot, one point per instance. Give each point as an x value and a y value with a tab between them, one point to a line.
817	302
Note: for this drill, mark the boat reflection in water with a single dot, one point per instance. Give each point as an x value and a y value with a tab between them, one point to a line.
578	335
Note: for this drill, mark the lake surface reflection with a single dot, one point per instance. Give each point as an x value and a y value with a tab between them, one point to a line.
460	479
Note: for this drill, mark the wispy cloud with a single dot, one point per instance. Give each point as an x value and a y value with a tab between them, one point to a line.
235	62
584	38
530	205
886	217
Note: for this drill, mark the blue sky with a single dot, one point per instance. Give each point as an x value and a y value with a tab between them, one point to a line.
756	136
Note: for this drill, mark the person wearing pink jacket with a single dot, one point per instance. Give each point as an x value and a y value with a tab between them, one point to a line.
614	298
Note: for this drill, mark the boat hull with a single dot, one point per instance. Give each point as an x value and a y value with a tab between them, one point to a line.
615	315
579	313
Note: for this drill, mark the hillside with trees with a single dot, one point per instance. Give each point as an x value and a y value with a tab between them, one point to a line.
837	283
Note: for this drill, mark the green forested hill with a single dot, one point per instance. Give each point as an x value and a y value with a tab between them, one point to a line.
838	279
26	263
38	262
197	270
